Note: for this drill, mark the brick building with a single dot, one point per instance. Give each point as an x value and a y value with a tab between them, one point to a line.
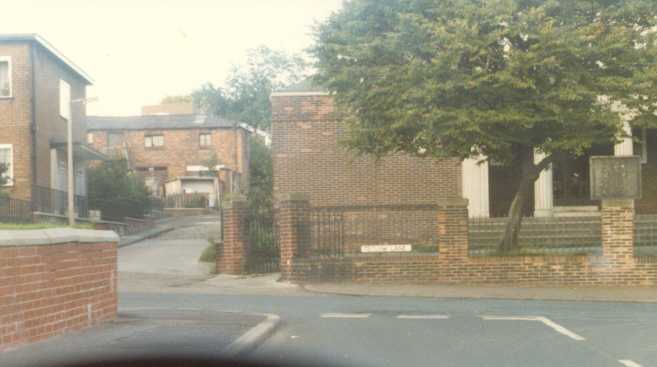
308	158
40	89
165	147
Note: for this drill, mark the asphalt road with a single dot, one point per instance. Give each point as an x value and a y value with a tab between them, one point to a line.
392	331
140	331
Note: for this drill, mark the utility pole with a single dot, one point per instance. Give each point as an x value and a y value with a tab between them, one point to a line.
71	168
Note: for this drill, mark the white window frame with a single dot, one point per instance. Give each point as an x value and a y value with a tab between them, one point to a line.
203	143
10	171
150	141
7	59
64	99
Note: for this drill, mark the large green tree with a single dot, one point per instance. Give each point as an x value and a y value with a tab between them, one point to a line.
498	78
245	96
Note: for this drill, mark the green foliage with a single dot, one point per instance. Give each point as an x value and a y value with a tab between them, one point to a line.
116	191
246	95
464	78
260	198
209	254
468	77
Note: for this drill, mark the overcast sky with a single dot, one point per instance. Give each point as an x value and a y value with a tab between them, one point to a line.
138	51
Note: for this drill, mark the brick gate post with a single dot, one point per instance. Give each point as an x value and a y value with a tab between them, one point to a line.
617	219
233	258
452	229
291	218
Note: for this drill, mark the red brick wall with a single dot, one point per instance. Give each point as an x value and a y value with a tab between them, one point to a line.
616	267
308	159
232	257
51	289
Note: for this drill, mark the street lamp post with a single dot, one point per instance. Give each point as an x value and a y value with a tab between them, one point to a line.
71	168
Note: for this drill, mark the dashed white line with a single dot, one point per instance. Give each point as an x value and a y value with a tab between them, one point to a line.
549	323
423	317
628	363
345	315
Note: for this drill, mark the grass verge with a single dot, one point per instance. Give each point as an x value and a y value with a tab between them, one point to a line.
27	226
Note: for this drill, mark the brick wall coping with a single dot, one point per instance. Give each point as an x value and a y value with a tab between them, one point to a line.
36	237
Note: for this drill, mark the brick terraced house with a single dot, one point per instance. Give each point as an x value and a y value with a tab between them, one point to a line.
164	148
40	89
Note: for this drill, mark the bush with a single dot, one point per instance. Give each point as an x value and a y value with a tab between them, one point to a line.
117	192
209	255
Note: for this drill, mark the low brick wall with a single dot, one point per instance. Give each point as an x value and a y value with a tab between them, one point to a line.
617	266
525	270
54	281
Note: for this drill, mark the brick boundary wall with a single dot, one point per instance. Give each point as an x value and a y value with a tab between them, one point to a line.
617	266
55	281
232	257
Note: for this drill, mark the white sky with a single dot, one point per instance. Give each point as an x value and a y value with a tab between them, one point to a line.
138	51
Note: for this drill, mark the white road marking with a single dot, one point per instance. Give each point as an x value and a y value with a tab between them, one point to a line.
423	317
547	322
628	363
345	315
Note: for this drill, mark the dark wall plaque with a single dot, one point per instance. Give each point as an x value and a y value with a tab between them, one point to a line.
615	177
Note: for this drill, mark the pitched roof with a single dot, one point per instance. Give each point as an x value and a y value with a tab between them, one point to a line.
157	122
33	37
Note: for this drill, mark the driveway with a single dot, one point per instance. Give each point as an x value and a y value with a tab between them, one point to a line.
172	256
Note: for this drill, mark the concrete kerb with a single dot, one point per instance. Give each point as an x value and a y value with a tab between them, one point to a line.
144	236
321	289
254	337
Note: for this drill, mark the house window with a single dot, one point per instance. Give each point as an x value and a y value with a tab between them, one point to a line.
205	139
64	99
5	77
153	141
7	158
90	138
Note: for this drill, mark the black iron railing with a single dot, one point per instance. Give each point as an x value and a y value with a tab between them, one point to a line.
47	200
336	231
15	211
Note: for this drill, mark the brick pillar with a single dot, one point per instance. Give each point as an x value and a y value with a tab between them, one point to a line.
617	218
232	260
291	218
452	228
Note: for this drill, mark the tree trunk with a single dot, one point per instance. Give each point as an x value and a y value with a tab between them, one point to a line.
530	173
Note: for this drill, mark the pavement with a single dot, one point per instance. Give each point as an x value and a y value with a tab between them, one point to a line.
174	254
164	225
497	291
